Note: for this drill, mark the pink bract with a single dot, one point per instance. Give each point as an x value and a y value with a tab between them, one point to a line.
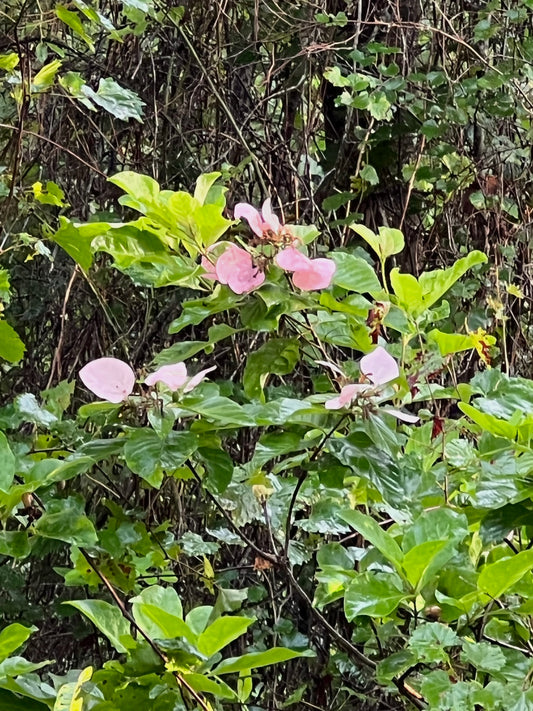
379	367
235	268
173	376
108	378
317	276
210	271
292	260
197	379
260	222
308	274
347	395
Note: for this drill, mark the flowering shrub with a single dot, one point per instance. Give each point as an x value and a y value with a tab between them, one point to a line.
319	471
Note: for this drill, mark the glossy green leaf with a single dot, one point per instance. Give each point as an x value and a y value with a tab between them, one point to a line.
354	273
69	696
121	103
12	637
7	464
108	619
15	544
151	456
416	296
496	578
11	347
219	467
373	594
64	520
221	632
203	684
387	242
278	356
424	560
253	660
159	613
372	532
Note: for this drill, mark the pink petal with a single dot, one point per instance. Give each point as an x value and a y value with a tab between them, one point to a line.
210	272
197	379
270	221
347	394
317	275
173	376
292	260
379	367
251	215
109	378
235	268
404	416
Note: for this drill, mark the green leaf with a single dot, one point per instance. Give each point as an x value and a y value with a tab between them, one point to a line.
76	240
490	423
369	175
64	520
450	342
223	631
277	356
13	702
387	242
430	640
219	467
9	61
201	683
159	613
7	464
73	21
151	456
28	406
372	594
424	559
46	75
372	531
15	666
15	544
108	619
483	656
257	659
203	185
418	296
11	347
12	637
69	695
354	273
121	103
496	578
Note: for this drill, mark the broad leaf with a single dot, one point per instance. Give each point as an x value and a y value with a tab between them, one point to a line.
372	532
108	619
373	594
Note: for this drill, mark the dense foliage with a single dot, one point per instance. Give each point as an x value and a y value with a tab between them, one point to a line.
265	407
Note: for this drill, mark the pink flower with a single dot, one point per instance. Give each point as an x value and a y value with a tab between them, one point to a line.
346	397
260	222
308	274
210	271
109	378
175	377
235	268
379	367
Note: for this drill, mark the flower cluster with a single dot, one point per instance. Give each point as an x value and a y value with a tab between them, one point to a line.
236	268
378	370
113	380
